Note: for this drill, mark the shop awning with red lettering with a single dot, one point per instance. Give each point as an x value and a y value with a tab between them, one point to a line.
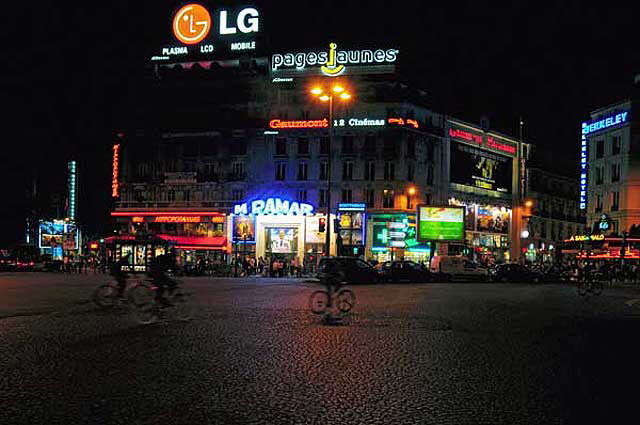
197	242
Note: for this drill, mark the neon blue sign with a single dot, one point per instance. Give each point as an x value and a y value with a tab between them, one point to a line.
604	123
273	206
359	206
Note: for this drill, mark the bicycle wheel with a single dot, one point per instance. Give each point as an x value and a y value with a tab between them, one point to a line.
182	308
318	302
143	304
346	300
105	296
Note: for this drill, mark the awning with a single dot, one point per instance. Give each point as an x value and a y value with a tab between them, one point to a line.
197	242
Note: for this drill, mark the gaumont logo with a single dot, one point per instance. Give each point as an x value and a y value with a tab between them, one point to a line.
323	123
191	24
333	62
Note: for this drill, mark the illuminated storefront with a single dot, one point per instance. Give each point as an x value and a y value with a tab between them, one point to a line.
393	237
196	235
352	219
275	228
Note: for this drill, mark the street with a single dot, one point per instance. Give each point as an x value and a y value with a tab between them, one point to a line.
409	353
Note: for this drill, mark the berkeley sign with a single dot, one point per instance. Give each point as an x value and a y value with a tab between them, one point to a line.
604	123
273	206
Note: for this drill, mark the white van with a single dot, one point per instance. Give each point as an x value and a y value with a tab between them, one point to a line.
448	268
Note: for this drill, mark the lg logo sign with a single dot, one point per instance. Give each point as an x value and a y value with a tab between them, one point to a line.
192	23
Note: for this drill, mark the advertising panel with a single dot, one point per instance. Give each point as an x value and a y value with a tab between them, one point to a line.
282	240
57	233
314	235
479	168
244	228
436	223
493	219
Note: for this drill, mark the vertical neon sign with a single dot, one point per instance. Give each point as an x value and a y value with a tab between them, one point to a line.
72	189
115	188
583	170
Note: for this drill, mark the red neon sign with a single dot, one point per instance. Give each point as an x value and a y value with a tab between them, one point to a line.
138	219
465	135
504	147
398	121
115	187
402	121
177	219
93	246
323	123
166	213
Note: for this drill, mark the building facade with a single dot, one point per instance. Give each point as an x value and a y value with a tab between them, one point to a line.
610	174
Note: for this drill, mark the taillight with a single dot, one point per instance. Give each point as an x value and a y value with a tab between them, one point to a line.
31	263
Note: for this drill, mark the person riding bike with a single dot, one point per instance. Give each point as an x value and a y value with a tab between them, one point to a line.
158	269
119	272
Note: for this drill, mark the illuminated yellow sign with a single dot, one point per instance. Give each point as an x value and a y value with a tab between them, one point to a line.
585	238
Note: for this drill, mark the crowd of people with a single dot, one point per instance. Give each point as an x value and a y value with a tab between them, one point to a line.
275	267
83	264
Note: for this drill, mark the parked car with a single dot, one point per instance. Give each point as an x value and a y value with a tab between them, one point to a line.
25	264
516	273
407	271
450	268
7	263
347	270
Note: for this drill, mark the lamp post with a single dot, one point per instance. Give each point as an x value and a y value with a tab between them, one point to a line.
410	192
326	95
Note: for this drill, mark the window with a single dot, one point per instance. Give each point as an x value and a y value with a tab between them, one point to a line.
302	195
543	230
410	172
599	175
302	171
428	151
186	195
389	146
281	146
370	197
347	195
238	147
303	146
598	202
324	168
347	170
615	173
347	144
171	195
411	146
324	145
370	171
238	169
143	170
281	171
615	201
389	170
237	194
387	198
322	198
599	148
370	143
616	145
430	175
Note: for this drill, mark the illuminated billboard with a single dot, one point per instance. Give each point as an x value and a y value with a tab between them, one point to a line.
479	168
200	33
58	233
440	223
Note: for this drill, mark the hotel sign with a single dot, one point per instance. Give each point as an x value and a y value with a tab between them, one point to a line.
585	238
334	62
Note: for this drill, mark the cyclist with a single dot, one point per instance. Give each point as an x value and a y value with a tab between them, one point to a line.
158	269
119	272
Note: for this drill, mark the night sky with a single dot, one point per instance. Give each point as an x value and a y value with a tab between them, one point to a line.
69	71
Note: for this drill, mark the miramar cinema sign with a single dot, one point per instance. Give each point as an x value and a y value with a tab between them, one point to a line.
334	62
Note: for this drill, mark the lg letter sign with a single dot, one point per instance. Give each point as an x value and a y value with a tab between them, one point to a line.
192	23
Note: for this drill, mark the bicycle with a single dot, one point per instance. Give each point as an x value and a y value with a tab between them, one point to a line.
147	309
589	285
321	300
106	296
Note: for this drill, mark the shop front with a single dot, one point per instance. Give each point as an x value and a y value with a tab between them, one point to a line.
198	237
279	230
393	237
487	230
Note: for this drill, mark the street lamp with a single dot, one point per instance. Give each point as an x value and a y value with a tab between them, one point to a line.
326	94
410	192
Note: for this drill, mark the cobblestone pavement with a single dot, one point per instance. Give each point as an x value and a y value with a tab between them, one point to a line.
421	353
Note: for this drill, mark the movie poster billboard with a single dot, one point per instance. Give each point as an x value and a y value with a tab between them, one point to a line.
493	219
282	240
479	168
244	228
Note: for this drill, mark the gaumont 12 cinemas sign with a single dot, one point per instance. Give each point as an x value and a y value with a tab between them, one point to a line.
205	31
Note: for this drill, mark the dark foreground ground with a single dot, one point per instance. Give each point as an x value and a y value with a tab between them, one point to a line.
439	353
